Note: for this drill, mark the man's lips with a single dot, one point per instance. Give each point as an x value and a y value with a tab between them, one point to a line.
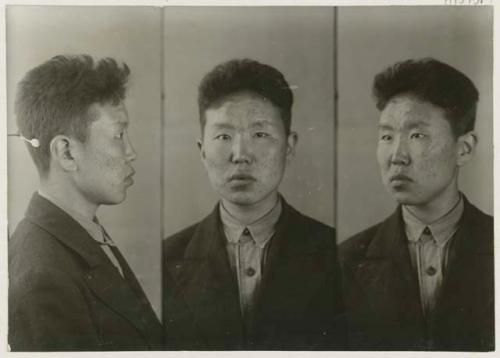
129	178
399	177
241	177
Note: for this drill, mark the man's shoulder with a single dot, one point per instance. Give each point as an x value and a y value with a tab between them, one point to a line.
355	246
479	226
300	221
36	256
31	240
176	244
478	219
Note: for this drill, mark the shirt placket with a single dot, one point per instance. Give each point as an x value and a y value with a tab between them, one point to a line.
430	271
248	270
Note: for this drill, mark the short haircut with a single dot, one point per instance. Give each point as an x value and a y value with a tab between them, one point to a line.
245	75
431	81
54	99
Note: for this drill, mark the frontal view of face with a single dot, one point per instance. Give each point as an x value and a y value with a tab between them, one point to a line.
417	152
245	149
104	160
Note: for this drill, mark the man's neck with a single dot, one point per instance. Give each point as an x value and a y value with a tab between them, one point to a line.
437	208
247	214
66	196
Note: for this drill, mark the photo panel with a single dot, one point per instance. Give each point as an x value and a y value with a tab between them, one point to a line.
128	34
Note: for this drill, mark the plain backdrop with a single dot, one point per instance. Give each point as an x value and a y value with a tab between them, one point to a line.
170	55
371	39
299	43
132	35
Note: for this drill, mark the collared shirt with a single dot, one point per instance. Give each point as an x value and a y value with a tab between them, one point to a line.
429	246
95	230
247	248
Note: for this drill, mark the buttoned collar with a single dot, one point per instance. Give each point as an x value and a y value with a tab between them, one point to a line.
441	229
261	229
93	227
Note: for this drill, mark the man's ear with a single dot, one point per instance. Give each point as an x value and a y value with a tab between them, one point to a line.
199	144
292	140
61	151
466	147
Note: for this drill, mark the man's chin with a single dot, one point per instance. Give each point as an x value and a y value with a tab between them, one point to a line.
116	200
404	198
241	199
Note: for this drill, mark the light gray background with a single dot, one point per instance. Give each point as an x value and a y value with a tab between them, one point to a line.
298	42
369	40
34	35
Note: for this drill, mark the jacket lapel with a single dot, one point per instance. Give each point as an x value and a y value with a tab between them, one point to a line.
386	274
208	284
100	274
470	261
294	270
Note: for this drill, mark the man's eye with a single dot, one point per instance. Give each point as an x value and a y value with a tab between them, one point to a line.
385	137
261	134
417	135
223	137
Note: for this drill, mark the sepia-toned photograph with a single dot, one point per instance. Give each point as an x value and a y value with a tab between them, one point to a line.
250	178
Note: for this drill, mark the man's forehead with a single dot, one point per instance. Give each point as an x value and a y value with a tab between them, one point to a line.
409	111
113	113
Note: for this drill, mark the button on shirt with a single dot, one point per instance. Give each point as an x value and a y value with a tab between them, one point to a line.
247	248
95	230
429	246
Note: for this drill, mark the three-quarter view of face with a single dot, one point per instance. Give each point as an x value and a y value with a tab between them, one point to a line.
245	148
104	160
417	151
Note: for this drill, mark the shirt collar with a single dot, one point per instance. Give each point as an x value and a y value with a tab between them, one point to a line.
93	227
441	229
261	230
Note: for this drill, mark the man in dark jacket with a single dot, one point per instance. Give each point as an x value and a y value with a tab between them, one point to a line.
423	278
70	289
255	273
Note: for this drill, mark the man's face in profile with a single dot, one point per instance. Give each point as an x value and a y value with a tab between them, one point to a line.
417	151
104	160
245	148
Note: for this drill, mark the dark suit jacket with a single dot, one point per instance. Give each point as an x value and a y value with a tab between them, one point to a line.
65	294
382	294
299	306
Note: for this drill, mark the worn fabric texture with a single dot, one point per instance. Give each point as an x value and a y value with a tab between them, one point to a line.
382	296
66	295
298	306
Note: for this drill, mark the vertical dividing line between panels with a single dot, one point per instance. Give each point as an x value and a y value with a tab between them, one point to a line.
162	150
335	116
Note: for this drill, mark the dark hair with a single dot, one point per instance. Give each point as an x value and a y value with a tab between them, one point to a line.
245	75
54	98
435	82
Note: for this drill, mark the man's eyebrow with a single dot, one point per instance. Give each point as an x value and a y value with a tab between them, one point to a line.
122	123
416	124
262	123
222	126
384	127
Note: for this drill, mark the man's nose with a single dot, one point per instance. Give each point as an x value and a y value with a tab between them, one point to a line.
241	150
130	152
399	155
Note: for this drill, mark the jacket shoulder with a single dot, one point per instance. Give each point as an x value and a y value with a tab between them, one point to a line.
30	245
175	245
355	247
